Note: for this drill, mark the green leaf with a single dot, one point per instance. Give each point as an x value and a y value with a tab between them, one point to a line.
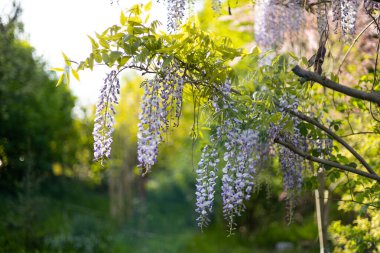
167	61
57	69
97	57
303	129
104	43
105	57
67	60
293	56
353	165
91	61
94	44
114	56
123	60
60	80
123	18
67	77
315	153
148	6
75	74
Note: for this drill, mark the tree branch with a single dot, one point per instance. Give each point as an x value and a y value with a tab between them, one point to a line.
326	162
357	133
311	76
334	136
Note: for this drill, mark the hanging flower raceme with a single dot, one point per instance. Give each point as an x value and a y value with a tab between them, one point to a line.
176	13
205	187
349	11
161	100
292	169
149	128
239	171
344	13
104	117
273	18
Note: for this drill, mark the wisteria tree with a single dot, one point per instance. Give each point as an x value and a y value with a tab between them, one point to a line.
260	105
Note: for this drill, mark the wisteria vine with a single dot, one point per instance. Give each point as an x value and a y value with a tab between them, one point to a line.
232	159
161	102
104	117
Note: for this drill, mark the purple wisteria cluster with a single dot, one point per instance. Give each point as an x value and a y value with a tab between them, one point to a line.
239	170
323	147
344	14
221	101
240	153
176	13
104	117
205	187
292	165
149	128
274	18
161	102
240	156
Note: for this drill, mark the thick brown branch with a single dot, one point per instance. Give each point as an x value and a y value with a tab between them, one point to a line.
326	162
334	136
311	76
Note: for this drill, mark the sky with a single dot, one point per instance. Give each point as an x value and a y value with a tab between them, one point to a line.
55	26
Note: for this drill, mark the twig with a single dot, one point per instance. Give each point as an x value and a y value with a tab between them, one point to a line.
334	136
353	43
326	162
365	132
311	76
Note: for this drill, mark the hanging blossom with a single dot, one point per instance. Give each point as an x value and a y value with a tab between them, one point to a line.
149	128
221	101
241	149
345	13
104	117
292	165
265	24
337	13
239	171
205	187
176	13
349	10
161	95
291	168
274	18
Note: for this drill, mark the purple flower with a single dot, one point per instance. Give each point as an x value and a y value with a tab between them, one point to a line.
205	187
161	100
176	13
104	117
273	19
238	173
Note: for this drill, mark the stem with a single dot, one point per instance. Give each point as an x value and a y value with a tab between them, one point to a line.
326	162
353	43
325	82
334	136
352	134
